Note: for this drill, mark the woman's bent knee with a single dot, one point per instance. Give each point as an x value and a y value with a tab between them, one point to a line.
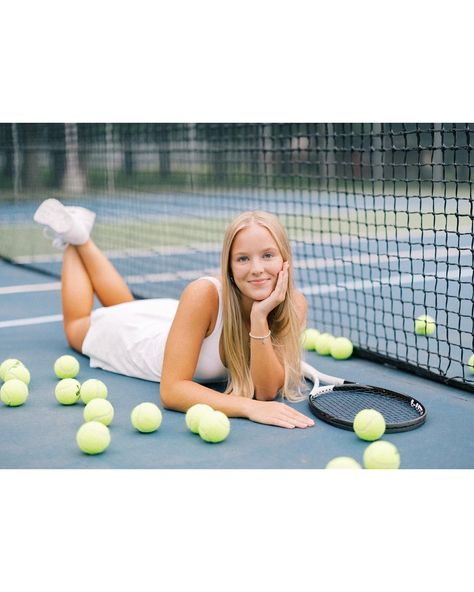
76	332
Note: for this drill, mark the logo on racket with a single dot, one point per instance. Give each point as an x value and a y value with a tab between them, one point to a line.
417	406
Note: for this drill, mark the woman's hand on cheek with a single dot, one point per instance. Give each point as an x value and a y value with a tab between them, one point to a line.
263	308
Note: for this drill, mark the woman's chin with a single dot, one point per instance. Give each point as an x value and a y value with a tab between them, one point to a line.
258	295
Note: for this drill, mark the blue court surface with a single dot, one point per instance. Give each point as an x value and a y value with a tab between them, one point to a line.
41	433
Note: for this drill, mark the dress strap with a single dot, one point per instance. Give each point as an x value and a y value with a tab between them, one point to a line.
218	285
214	281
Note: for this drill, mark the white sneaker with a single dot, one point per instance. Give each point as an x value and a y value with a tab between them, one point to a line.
70	225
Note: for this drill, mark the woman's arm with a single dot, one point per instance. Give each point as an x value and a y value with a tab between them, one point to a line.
177	389
190	325
266	368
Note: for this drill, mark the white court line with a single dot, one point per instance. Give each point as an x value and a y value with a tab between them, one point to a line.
128	253
31	321
26	288
403	279
434	253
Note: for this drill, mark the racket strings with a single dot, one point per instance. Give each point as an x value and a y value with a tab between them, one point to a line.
345	405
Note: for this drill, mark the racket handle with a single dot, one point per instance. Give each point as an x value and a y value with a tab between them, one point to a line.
315	376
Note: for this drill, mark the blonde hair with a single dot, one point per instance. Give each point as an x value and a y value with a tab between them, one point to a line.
283	320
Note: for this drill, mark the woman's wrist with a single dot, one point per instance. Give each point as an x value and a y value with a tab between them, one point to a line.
247	406
258	323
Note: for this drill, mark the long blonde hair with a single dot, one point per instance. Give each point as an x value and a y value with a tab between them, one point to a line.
283	320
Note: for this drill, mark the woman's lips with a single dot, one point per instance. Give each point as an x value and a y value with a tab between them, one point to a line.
258	282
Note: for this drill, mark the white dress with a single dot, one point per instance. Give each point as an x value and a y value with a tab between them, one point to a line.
130	339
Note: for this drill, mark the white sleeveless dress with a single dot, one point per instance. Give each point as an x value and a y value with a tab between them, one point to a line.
130	339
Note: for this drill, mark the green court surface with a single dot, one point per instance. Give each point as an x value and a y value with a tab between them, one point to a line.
41	433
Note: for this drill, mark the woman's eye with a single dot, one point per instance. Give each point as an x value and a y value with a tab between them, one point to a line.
242	259
268	255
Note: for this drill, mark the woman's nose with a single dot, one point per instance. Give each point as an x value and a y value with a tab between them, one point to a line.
256	266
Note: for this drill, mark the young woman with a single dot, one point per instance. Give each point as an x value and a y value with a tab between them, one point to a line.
243	326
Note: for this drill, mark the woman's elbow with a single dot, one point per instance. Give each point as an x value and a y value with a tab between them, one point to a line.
266	395
166	396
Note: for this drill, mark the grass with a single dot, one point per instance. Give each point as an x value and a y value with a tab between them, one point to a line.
26	239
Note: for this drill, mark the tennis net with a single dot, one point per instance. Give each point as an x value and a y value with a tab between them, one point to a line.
380	217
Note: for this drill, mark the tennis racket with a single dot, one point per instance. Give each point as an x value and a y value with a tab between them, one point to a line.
340	401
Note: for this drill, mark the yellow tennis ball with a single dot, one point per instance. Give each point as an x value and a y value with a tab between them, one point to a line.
381	455
146	417
214	427
14	392
93	437
93	389
194	414
7	364
369	424
68	391
343	462
341	348
425	325
19	372
66	367
99	410
308	339
470	364
324	343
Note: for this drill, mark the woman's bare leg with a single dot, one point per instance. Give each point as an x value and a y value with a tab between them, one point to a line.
77	296
86	270
107	283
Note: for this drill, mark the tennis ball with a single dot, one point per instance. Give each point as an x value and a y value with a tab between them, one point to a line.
66	367
381	455
67	391
470	364
341	348
146	417
343	462
194	414
99	410
425	325
308	339
93	437
369	424
214	427
14	392
18	371
323	343
7	364
93	389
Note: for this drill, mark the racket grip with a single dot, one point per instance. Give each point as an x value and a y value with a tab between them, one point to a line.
315	376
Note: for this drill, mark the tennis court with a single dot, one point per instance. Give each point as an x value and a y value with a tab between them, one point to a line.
380	217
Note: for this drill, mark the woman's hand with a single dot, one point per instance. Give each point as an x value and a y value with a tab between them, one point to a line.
261	309
278	414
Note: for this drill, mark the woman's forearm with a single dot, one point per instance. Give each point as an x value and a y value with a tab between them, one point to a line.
182	394
267	372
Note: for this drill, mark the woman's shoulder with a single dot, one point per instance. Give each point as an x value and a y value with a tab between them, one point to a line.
201	295
202	292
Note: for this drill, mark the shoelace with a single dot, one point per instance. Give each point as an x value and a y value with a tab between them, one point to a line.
58	242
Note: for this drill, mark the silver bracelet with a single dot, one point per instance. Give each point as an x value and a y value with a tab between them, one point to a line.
264	337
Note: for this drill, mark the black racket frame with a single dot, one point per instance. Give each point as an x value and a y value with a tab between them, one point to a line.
347	425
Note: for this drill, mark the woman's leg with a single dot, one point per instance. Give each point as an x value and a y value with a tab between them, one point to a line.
106	281
86	270
77	296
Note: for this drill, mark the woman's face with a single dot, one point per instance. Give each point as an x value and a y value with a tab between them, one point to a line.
255	262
